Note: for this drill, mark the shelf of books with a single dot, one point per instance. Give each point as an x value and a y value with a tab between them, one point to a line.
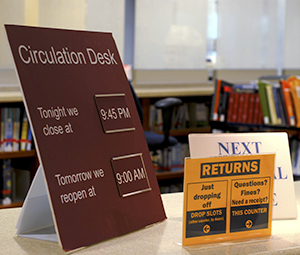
189	117
17	155
268	104
192	116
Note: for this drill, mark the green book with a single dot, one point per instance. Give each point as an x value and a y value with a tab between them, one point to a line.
264	102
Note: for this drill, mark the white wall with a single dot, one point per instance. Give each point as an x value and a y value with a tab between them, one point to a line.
11	12
92	15
172	34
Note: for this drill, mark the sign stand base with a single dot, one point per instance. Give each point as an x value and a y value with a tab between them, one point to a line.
35	220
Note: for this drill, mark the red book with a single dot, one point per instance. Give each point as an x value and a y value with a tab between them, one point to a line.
245	107
235	106
230	106
257	115
241	107
251	108
215	115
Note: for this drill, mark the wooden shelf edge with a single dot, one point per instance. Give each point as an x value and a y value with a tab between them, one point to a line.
169	175
183	132
17	154
186	131
254	127
12	205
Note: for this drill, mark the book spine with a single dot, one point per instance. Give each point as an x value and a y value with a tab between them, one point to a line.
24	132
241	107
263	101
295	93
257	115
271	104
230	107
9	129
245	107
224	102
17	126
288	102
277	105
235	106
251	108
29	139
3	117
216	99
6	182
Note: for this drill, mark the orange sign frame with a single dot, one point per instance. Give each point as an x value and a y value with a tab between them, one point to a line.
227	198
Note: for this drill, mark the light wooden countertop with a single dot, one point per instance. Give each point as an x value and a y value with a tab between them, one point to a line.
162	238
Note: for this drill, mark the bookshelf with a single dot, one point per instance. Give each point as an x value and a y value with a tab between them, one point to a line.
26	160
261	104
10	96
167	178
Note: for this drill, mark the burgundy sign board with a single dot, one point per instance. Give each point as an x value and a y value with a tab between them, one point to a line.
98	173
